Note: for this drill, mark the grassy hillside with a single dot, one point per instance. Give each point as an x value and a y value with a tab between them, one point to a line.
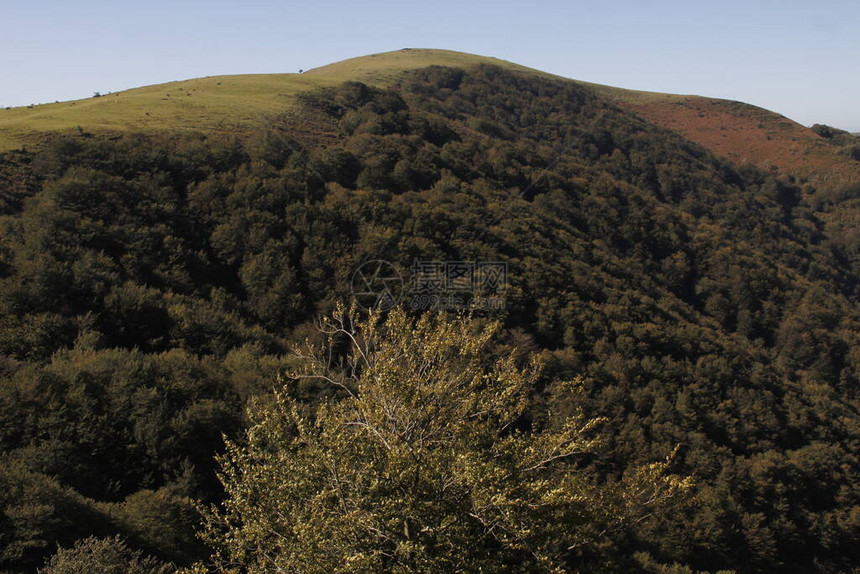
220	103
213	104
739	132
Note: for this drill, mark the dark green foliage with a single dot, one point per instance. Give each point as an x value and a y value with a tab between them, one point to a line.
848	143
148	284
16	181
38	513
828	132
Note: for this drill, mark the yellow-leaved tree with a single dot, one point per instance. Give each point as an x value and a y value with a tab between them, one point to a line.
422	461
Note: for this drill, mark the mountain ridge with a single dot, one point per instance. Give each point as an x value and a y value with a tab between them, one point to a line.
736	131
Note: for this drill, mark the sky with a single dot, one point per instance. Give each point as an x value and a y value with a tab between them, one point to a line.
798	58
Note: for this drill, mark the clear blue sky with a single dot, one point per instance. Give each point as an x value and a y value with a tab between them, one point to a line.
799	58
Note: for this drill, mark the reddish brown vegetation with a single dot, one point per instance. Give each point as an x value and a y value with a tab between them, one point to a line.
747	134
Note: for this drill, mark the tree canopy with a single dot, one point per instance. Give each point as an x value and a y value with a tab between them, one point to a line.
423	462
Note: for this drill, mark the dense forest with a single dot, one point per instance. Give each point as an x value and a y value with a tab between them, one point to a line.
153	287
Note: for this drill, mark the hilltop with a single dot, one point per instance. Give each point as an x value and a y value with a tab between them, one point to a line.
736	131
215	104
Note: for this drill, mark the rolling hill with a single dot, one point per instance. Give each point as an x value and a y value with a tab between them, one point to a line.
217	104
229	104
157	270
233	105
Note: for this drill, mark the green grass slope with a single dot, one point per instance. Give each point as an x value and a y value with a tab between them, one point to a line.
215	103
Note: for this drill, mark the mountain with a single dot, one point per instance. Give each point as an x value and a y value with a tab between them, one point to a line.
213	104
155	273
739	132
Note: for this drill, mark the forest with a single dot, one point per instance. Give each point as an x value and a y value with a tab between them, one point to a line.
155	288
